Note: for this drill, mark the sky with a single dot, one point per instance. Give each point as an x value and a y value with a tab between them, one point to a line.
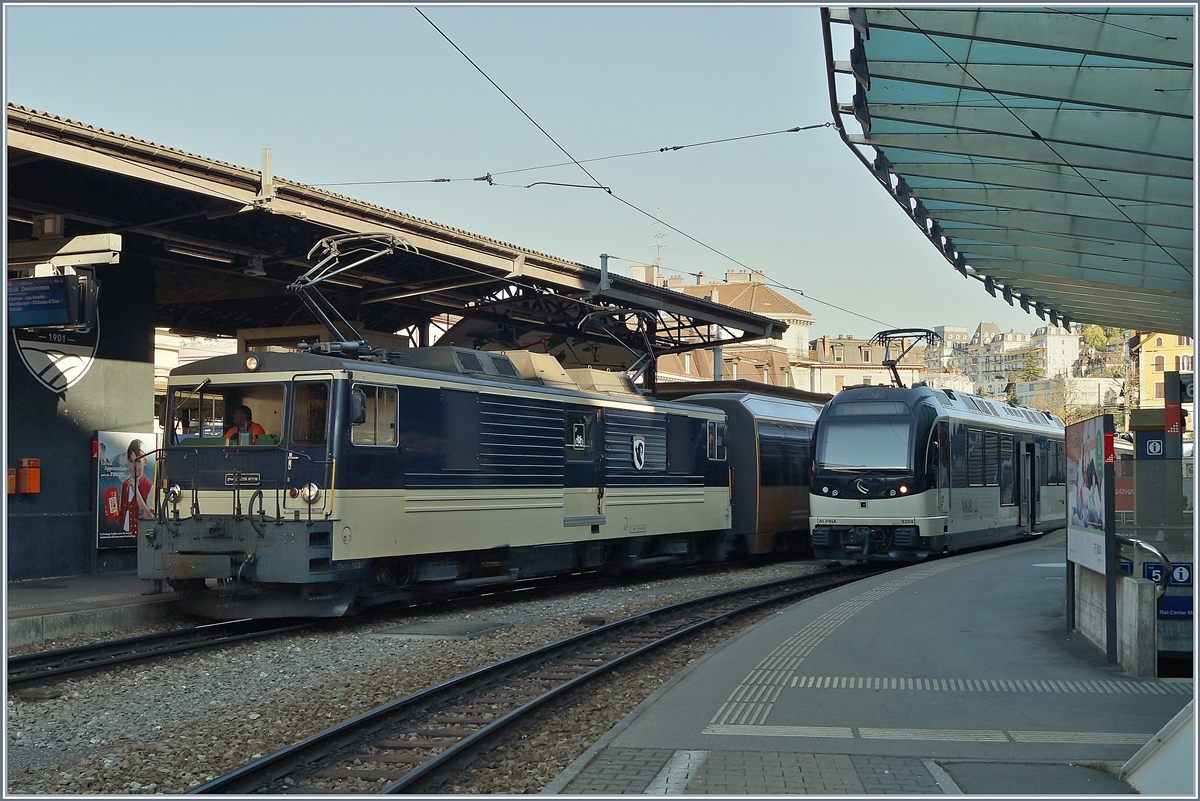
375	93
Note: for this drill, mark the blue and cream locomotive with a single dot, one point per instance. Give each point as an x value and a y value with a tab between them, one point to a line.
902	474
430	471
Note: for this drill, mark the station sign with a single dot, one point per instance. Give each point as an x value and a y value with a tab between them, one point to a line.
1126	566
1150	444
1181	573
1175	607
50	300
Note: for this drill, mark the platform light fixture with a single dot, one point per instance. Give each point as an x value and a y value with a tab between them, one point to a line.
254	267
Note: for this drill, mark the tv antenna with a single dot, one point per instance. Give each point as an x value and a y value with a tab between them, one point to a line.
659	236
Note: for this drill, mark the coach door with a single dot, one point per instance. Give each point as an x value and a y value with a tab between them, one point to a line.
309	466
582	492
943	491
1029	486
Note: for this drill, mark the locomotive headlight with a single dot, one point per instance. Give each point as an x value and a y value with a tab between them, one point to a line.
903	489
310	493
891	492
174	493
835	492
252	362
824	489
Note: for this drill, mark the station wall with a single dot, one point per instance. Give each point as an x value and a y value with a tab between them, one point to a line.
52	533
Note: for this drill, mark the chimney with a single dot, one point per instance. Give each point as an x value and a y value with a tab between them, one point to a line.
713	295
757	277
737	277
647	273
700	278
675	282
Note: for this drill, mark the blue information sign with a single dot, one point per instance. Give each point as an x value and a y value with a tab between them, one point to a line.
1181	573
1126	566
1175	607
52	300
1150	444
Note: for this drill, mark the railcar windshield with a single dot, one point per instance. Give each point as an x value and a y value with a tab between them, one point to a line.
865	435
231	414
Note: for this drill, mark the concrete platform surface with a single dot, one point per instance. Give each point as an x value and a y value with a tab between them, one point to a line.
954	676
44	609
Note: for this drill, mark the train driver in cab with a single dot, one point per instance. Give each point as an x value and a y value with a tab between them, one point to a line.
243	423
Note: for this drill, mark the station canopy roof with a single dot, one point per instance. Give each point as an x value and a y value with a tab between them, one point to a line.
1046	152
226	240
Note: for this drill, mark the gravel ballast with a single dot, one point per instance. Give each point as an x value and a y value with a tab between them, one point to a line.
170	725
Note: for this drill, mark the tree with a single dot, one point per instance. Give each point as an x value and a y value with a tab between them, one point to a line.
1095	337
1031	370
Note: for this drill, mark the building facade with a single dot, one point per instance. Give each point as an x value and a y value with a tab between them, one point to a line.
846	362
1157	354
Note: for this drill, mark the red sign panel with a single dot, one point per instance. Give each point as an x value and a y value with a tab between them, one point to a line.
1108	448
1171	418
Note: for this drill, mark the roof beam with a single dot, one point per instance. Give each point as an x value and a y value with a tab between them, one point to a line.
1105	128
1143	36
1097	208
1047	177
1150	90
995	242
1028	149
1061	224
1067	258
1132	282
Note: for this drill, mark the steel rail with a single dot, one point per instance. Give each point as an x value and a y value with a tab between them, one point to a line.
361	730
48	665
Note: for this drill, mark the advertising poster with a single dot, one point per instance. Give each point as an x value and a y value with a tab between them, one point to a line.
1086	457
125	465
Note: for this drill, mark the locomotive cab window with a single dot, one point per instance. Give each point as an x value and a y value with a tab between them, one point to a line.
310	413
241	414
716	441
378	427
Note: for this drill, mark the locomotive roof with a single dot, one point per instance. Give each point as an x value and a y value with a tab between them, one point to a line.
959	405
429	363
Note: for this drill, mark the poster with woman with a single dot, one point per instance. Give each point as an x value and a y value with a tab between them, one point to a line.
125	486
1089	450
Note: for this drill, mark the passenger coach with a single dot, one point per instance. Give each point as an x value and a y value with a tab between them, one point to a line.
901	474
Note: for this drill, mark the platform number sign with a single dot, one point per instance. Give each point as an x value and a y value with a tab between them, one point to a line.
639	452
1181	573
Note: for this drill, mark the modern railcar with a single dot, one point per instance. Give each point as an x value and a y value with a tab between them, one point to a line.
437	470
903	474
770	458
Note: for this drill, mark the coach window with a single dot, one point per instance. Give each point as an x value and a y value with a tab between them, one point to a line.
310	408
379	427
579	436
991	459
716	441
974	457
1008	481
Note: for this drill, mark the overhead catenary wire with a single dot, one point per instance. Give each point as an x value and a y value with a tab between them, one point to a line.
617	197
487	177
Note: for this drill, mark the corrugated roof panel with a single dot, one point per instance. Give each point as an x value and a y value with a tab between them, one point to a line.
1048	151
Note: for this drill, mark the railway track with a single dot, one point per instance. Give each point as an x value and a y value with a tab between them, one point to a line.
415	744
48	666
44	667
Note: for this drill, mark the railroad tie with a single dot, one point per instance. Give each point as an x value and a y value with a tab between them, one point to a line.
398	759
354	773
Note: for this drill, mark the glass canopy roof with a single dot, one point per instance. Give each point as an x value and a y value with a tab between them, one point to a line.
1045	152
